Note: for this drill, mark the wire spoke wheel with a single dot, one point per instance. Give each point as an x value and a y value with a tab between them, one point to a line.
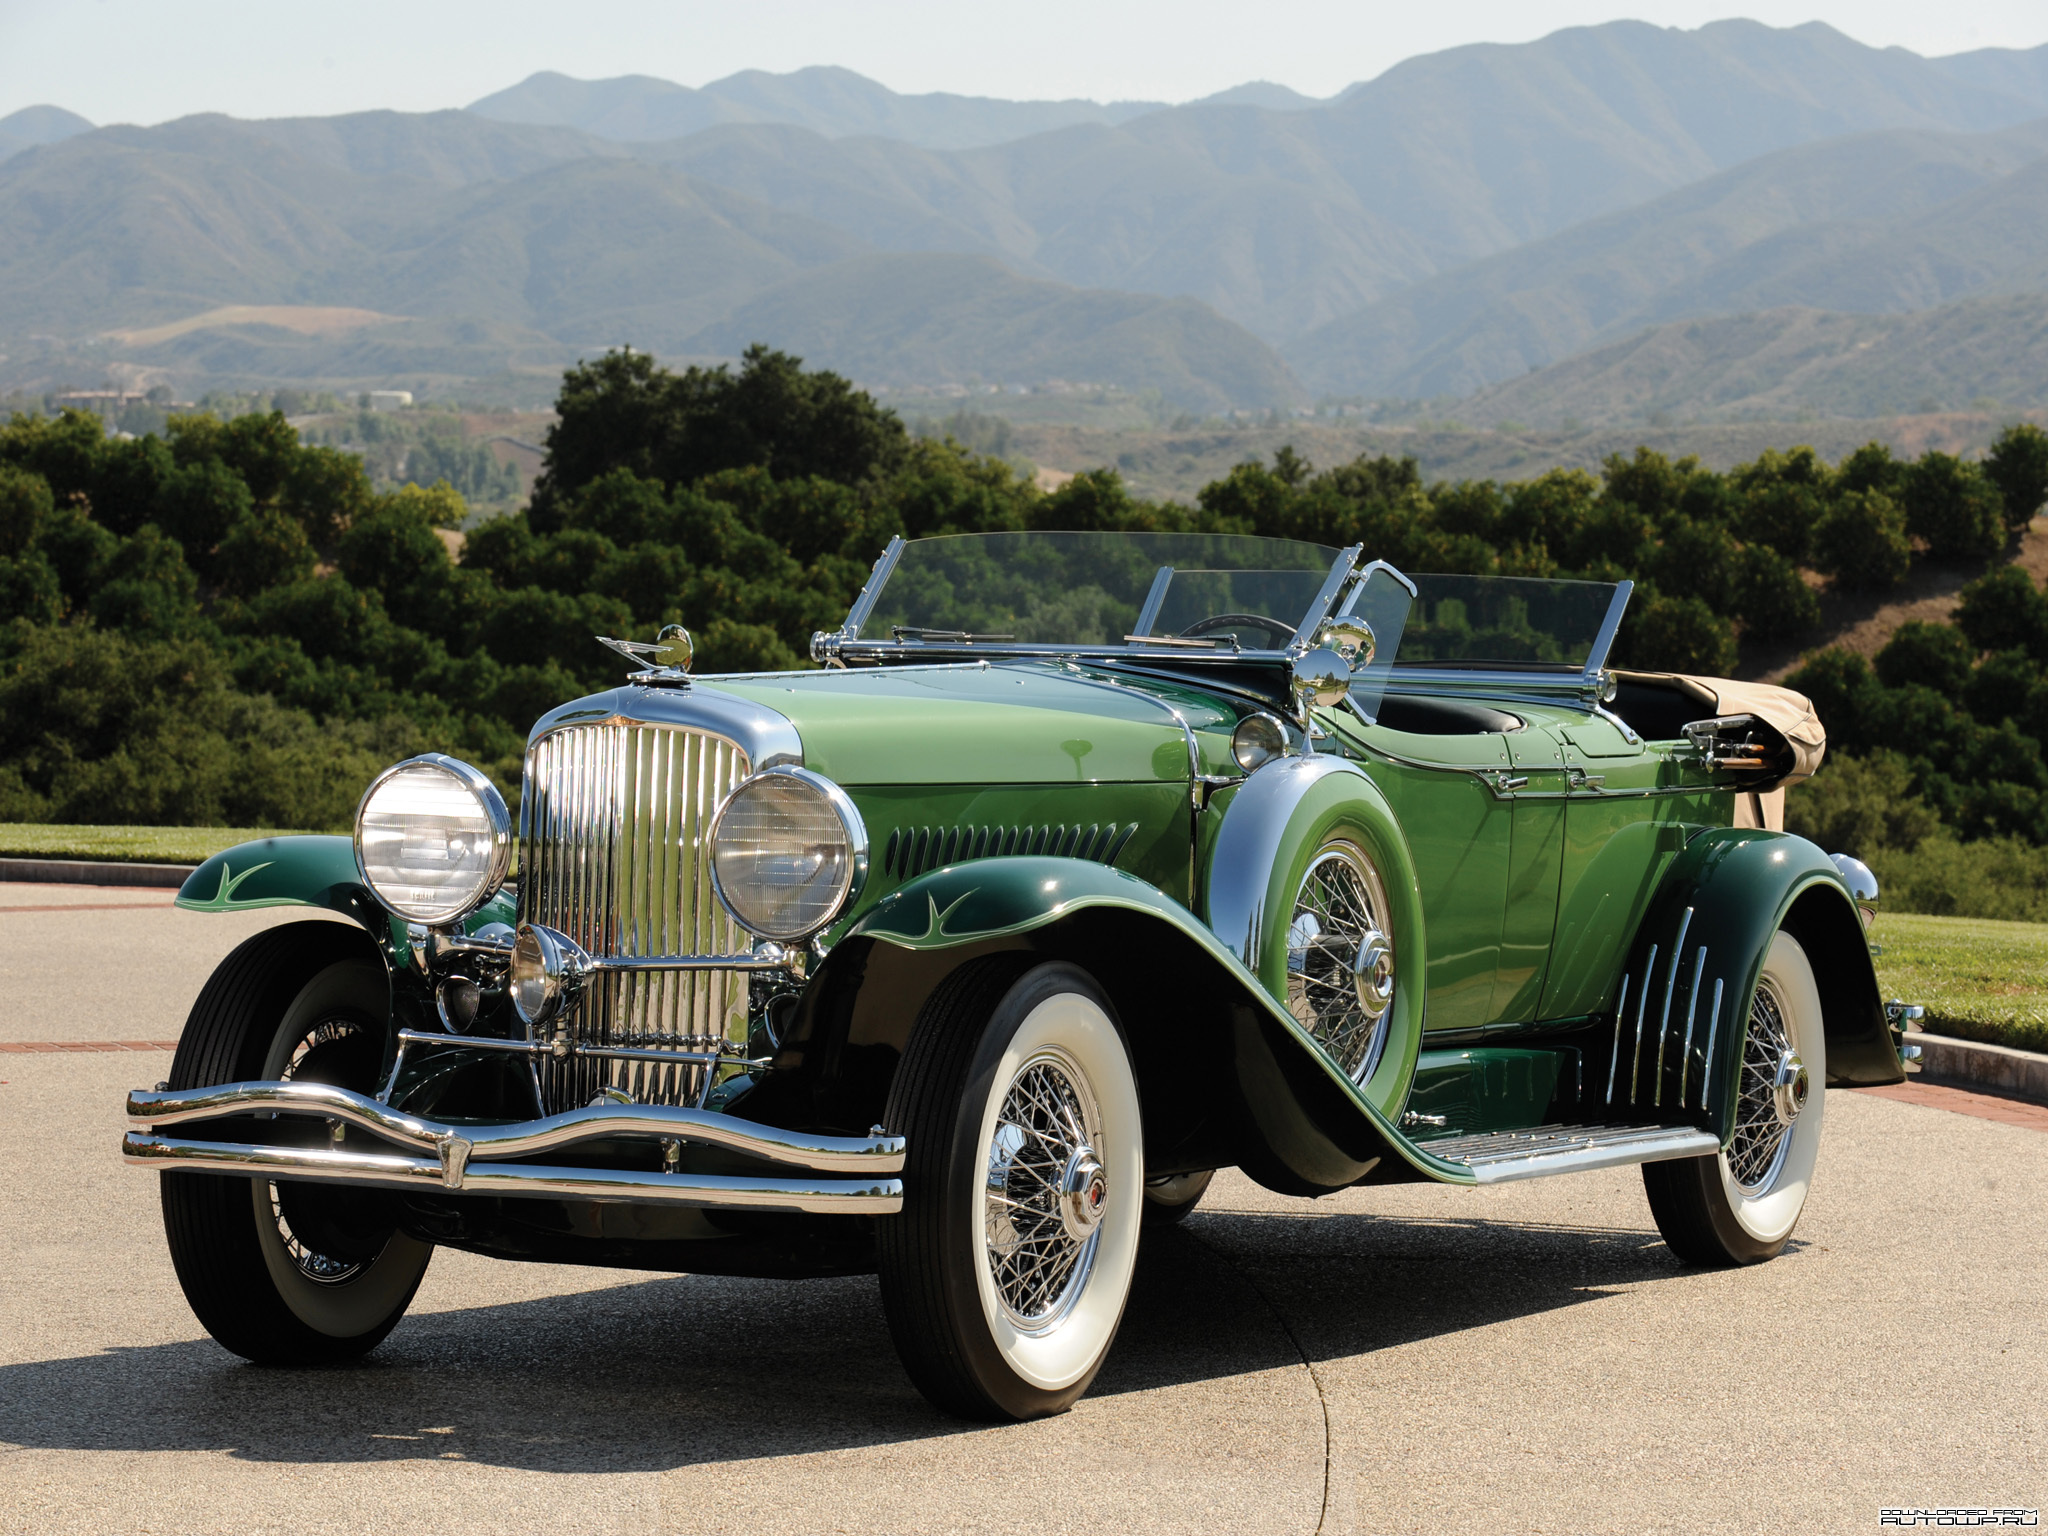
1739	1205
1340	959
1005	1274
1761	1135
1045	1189
291	1271
326	1053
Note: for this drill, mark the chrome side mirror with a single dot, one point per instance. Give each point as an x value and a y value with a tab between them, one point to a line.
1321	679
1350	638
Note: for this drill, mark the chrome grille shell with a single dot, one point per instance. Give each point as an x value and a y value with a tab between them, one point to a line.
614	851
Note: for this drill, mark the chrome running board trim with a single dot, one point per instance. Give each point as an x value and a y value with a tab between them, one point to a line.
874	1153
872	1197
1496	1157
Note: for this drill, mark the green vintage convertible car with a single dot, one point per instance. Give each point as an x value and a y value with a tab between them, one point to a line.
1084	864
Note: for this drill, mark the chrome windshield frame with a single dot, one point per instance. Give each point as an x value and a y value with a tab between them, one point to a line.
844	645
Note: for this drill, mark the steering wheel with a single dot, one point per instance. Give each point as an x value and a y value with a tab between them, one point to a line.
1281	632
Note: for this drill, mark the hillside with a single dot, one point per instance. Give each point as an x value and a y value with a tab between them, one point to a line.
1790	364
1881	222
834	102
38	125
907	320
1464	218
1284	220
494	247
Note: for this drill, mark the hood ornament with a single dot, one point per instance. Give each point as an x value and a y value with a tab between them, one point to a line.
672	643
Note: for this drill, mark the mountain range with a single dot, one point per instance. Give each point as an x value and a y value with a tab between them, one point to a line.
1468	221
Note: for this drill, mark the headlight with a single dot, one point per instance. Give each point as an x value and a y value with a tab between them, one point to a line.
433	838
787	851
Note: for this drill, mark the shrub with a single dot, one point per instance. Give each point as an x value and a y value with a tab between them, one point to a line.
2005	611
1869	468
1859	805
1861	541
1998	878
1953	506
2018	466
1676	634
1935	655
1771	598
25	505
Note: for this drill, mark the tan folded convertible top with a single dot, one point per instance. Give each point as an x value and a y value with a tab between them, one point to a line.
1790	714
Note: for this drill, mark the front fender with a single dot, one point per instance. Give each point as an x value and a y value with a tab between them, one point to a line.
1683	1007
307	872
1227	1073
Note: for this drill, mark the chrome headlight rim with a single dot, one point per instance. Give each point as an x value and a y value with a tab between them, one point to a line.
558	964
841	805
496	813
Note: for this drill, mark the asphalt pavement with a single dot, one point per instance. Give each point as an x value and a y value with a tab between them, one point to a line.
1526	1358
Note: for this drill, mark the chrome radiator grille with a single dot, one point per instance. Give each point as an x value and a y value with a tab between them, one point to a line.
613	851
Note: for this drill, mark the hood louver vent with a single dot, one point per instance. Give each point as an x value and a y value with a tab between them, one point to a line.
913	850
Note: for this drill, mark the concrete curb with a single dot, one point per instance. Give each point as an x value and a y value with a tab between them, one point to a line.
2023	1074
94	872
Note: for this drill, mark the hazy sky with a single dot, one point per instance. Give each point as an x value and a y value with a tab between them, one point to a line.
146	60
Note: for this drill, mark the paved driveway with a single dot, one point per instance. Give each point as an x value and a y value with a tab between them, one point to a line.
1520	1359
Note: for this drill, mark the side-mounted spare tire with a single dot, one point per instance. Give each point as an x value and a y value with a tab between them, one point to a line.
287	1273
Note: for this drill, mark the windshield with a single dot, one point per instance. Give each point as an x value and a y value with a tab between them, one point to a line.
1511	621
1202	591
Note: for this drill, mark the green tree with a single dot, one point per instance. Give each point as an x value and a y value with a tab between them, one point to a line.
25	505
1859	805
1870	468
1953	505
1935	655
2018	466
1782	496
2004	611
1861	541
1675	634
624	411
1771	598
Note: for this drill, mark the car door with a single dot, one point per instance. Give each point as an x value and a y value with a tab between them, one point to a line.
1635	807
1460	834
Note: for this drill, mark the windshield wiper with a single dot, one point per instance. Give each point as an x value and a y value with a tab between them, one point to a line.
956	636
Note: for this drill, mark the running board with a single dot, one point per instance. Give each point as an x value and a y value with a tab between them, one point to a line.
1498	1156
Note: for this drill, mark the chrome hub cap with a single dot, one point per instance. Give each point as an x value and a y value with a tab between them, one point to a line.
1045	1192
1372	973
1789	1095
1771	1091
1340	959
1084	1193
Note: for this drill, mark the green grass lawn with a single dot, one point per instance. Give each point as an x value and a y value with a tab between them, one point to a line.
1979	979
128	845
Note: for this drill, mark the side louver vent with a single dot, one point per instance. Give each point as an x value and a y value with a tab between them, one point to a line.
913	850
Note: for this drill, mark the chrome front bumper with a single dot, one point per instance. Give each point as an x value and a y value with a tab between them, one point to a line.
474	1159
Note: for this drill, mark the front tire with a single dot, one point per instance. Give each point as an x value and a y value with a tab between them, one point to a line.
1740	1206
1005	1275
287	1273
